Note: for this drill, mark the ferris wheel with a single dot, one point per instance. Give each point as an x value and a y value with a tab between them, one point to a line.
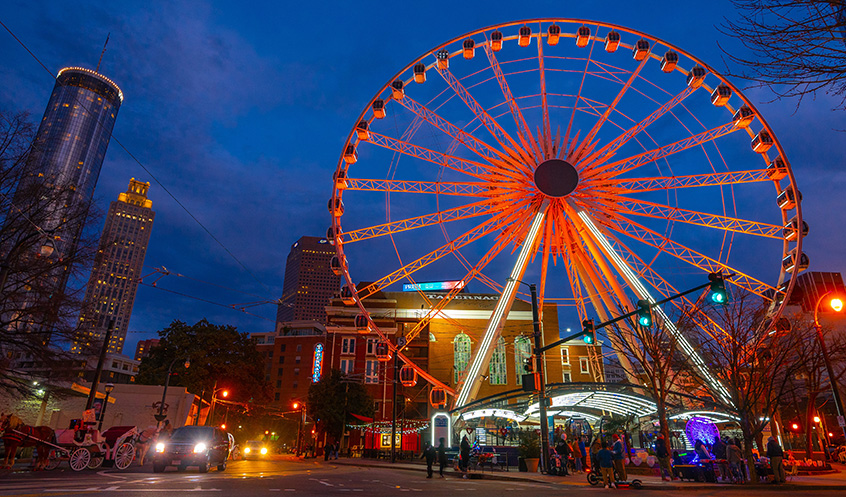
604	164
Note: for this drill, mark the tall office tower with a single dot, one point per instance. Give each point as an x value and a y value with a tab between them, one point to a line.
111	288
67	155
309	281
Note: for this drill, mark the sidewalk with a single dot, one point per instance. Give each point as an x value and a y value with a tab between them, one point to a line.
833	481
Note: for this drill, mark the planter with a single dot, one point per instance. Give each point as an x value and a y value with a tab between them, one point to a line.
532	464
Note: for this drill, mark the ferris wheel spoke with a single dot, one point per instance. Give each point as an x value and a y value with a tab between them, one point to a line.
640	185
579	94
623	166
587	142
524	133
723	223
470	236
471	168
464	212
636	231
609	150
466	189
547	130
471	142
504	139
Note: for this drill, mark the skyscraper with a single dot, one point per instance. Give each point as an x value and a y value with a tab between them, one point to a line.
110	293
309	281
70	146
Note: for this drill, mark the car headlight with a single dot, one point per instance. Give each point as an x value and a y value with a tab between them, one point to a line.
264	450
247	450
160	447
200	447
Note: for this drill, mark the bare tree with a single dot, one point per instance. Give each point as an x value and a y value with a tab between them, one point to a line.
755	367
38	311
798	47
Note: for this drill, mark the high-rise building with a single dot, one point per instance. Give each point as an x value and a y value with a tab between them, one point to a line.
110	293
309	281
70	146
143	348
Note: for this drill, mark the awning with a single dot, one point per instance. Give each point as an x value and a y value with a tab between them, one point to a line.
362	418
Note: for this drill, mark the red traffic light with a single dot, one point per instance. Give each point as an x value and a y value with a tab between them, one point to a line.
795	426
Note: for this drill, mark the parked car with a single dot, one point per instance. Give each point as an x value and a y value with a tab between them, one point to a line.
255	449
201	446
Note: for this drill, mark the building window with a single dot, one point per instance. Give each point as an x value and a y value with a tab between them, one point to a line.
461	355
279	373
278	384
348	346
584	365
567	378
282	348
347	366
297	360
294	385
498	374
371	345
276	396
296	371
371	371
299	347
522	352
565	356
281	359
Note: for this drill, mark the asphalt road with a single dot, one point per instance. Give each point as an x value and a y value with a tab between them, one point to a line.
304	478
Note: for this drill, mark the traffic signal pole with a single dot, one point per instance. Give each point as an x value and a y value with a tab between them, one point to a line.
539	367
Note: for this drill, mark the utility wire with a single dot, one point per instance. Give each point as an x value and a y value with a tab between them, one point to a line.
132	156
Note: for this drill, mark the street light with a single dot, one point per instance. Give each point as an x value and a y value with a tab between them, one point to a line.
47	249
836	304
160	417
301	407
108	387
223	393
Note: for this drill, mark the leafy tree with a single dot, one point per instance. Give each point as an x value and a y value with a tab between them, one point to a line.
333	398
220	355
38	310
798	47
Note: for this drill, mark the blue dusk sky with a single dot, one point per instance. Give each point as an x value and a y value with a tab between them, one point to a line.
241	110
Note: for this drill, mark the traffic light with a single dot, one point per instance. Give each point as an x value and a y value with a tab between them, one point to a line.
296	405
529	365
589	332
719	295
644	313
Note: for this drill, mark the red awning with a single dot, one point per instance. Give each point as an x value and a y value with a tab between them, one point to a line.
362	418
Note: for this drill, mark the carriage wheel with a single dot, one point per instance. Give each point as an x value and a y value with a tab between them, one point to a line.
79	459
53	460
96	461
124	455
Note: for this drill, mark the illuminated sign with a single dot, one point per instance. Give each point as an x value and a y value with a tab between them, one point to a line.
317	364
441	427
432	286
386	440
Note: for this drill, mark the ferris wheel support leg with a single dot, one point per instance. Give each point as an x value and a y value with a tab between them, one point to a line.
642	292
473	378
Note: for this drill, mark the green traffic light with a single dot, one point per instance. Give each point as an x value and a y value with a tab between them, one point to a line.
718	297
645	321
588	339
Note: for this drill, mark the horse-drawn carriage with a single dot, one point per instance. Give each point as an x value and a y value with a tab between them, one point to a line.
82	445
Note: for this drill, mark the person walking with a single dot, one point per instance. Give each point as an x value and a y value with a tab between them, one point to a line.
734	458
605	458
619	463
663	455
721	455
442	458
429	453
776	455
464	459
595	447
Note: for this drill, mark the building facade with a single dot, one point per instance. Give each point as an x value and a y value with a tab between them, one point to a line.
143	347
291	355
110	294
309	281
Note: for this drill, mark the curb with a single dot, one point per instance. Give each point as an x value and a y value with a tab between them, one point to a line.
693	487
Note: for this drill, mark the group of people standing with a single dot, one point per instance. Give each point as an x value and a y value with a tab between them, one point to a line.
609	460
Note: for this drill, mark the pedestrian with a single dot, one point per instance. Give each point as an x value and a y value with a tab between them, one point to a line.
776	455
583	453
605	459
595	447
337	448
563	451
734	458
663	455
442	458
327	451
429	453
701	451
619	453
721	455
464	460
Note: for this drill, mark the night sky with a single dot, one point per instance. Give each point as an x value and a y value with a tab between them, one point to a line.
241	111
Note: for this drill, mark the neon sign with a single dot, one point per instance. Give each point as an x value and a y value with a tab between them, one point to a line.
432	286
317	363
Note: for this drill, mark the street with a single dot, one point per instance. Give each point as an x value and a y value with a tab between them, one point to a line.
309	477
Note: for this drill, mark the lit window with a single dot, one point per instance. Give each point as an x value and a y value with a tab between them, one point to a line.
565	356
461	355
522	351
497	369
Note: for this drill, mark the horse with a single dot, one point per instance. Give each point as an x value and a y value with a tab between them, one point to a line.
16	434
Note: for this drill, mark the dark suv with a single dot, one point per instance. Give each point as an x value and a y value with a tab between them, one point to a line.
200	446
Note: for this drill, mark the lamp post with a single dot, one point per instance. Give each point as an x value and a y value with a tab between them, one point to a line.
539	370
47	248
836	304
160	417
301	406
224	394
108	387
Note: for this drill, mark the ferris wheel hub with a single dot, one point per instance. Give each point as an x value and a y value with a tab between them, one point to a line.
556	178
